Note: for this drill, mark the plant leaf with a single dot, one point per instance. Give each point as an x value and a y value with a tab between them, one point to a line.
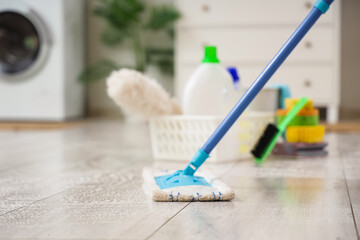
166	65
120	14
162	58
98	71
112	36
163	17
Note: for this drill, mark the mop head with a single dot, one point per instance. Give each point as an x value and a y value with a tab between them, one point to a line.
140	94
212	190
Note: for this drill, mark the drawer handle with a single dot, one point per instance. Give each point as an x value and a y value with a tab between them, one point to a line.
307	83
308	44
308	5
205	8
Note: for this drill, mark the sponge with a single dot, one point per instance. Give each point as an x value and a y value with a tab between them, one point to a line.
305	134
303	112
300	120
290	102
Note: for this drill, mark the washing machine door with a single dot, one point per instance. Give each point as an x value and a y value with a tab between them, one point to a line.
23	41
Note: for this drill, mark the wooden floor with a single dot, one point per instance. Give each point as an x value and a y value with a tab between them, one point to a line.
85	183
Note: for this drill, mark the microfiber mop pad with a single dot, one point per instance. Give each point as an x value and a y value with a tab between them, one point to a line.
216	190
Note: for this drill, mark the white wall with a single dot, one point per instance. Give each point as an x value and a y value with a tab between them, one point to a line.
350	66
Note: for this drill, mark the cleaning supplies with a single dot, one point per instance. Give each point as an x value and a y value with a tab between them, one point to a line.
177	137
209	187
304	128
235	76
306	117
269	138
300	120
209	88
140	94
305	134
266	101
284	93
178	181
303	112
300	149
290	102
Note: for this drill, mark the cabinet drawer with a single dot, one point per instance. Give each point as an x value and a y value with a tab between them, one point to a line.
313	81
258	44
240	12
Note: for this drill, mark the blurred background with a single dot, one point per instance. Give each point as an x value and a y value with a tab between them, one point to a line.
55	55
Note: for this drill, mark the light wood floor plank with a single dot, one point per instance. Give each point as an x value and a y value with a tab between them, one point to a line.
110	206
86	183
283	199
242	220
351	162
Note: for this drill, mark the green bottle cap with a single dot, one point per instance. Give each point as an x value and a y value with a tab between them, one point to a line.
210	55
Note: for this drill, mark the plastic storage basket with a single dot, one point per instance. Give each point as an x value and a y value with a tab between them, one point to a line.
179	137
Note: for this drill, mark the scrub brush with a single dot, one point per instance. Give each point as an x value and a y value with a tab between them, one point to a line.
184	182
140	94
269	138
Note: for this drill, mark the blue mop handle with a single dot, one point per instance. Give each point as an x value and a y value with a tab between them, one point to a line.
320	7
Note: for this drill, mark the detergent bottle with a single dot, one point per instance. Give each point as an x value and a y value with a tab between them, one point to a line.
210	89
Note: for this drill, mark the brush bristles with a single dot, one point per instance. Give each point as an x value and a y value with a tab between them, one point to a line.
265	140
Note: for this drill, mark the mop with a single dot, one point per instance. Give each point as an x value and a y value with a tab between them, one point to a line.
144	96
184	185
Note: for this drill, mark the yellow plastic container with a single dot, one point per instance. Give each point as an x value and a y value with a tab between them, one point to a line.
305	134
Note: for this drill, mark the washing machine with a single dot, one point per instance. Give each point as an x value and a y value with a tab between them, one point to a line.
41	56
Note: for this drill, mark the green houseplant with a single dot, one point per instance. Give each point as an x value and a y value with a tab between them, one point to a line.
130	20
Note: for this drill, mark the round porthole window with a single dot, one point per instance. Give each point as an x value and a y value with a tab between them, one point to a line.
23	44
19	43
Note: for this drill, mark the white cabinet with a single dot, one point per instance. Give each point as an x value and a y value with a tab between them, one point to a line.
249	33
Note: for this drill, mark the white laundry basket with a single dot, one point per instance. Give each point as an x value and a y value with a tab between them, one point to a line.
179	137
